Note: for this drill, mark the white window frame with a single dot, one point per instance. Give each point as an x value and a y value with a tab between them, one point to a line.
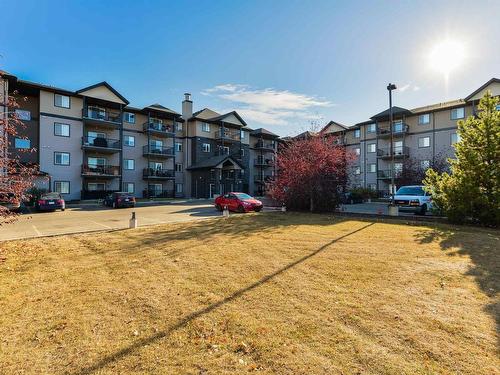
178	167
422	139
178	126
62	126
371	128
62	101
58	187
374	169
178	147
129	137
96	184
62	153
456	136
127	116
205	127
177	190
455	111
357	133
126	186
126	164
357	151
423	116
372	148
206	147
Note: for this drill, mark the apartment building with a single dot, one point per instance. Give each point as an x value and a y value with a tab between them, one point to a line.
91	142
423	134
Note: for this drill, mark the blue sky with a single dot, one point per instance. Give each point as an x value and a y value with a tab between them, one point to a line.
281	64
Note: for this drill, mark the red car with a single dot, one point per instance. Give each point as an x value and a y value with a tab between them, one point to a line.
239	202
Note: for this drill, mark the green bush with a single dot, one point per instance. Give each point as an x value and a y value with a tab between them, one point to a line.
33	194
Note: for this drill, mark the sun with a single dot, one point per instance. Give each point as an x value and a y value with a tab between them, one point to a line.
447	56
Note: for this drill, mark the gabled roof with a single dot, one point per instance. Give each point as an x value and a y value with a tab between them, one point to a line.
333	123
160	108
108	86
395	111
205	114
234	113
305	135
438	106
493	80
262	131
213	162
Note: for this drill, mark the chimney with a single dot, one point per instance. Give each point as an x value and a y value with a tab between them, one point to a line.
187	107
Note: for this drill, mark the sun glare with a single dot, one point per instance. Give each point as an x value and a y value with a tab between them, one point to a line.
446	56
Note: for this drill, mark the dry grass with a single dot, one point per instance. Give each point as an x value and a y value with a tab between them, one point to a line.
274	294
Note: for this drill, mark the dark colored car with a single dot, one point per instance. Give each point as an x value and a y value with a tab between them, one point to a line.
9	201
239	202
50	202
119	200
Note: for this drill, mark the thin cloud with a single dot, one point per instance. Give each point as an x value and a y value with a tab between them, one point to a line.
408	86
268	106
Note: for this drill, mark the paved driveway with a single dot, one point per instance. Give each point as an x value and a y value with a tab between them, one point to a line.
88	218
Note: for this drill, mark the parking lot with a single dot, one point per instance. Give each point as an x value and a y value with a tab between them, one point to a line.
87	218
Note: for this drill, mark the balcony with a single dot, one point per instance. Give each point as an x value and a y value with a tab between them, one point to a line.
262	179
102	117
157	174
227	135
105	145
398	130
264	163
159	130
101	171
398	152
265	146
96	194
155	193
158	151
387	174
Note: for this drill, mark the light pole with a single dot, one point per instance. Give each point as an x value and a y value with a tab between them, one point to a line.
393	209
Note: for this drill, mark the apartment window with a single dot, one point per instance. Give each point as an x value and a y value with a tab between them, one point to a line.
61	187
372	186
205	147
372	167
61	158
178	188
205	127
357	170
129	164
96	186
226	150
242	135
156	165
129	187
178	126
424	142
62	101
372	147
424	119
129	117
498	107
23	115
129	140
178	146
178	167
22	143
371	128
242	152
357	151
357	133
455	137
425	164
61	130
457	113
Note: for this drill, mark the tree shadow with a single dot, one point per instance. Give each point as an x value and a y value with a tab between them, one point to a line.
482	247
103	362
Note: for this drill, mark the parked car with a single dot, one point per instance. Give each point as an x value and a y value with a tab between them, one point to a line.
50	202
413	199
119	199
9	201
239	202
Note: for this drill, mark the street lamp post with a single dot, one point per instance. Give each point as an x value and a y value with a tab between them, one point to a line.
393	209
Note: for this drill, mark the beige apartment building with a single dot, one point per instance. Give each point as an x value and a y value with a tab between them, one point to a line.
423	134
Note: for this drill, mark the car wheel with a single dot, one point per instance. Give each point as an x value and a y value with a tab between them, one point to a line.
241	209
258	209
218	207
62	209
423	210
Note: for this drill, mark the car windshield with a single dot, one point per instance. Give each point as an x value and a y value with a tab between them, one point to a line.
242	196
51	196
411	190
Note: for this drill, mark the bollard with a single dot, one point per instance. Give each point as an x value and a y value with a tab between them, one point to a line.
225	212
283	208
133	221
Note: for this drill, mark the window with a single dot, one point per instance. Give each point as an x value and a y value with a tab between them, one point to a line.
23	115
372	147
372	186
128	164
425	164
372	128
157	165
96	186
94	162
129	117
242	152
498	107
62	101
129	140
178	167
61	130
205	127
424	142
357	151
225	150
22	143
372	168
178	126
357	170
61	158
424	119
178	188
205	147
129	187
61	187
455	137
457	113
178	146
242	135
357	133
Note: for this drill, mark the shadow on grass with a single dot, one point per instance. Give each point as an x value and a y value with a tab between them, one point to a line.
196	314
482	246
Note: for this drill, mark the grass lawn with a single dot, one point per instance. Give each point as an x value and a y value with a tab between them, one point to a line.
269	293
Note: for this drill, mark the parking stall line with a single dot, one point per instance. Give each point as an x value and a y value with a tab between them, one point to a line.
102	225
36	230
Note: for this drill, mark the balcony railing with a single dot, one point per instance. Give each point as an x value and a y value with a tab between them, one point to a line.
100	170
398	152
227	135
155	193
96	194
263	162
160	129
161	151
262	179
264	146
103	115
387	173
158	173
398	128
102	143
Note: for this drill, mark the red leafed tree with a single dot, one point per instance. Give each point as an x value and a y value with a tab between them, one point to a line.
15	177
312	174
